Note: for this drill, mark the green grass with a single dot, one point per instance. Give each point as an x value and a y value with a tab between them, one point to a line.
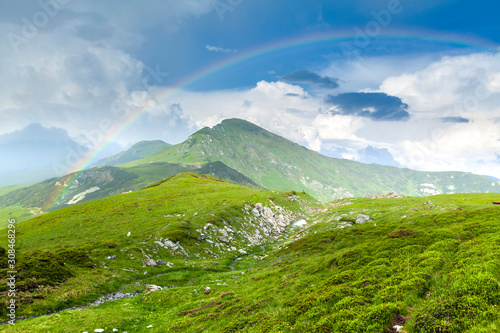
17	213
7	189
436	264
176	209
55	193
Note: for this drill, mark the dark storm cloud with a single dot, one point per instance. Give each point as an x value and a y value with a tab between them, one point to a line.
377	106
455	120
308	77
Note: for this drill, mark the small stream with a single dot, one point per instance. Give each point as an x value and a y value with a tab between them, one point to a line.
234	263
99	301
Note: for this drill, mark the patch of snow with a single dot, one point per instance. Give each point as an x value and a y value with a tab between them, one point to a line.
79	197
299	223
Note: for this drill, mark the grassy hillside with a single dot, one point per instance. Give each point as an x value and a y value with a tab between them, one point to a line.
276	163
102	182
7	189
206	221
137	151
361	265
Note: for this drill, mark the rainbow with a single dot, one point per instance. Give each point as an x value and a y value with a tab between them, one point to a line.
297	44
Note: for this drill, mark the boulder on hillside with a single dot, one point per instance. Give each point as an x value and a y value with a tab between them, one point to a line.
362	219
152	288
150	262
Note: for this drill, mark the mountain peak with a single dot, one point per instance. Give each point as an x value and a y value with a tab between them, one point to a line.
239	124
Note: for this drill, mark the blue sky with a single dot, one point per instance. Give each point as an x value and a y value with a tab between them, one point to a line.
410	83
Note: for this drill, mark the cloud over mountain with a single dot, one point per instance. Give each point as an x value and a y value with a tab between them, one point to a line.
376	106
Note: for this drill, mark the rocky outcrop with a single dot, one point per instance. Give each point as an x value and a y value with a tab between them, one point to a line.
362	219
175	248
152	288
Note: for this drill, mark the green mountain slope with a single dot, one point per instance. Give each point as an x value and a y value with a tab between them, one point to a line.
276	163
198	223
360	265
137	151
102	182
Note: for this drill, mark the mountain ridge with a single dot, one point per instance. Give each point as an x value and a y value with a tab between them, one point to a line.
139	150
277	163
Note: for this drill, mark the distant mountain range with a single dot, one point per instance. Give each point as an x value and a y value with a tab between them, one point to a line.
137	151
274	162
245	154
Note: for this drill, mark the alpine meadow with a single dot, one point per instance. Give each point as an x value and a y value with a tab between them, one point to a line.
249	166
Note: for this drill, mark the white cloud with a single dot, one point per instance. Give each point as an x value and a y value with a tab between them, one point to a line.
463	147
459	83
220	49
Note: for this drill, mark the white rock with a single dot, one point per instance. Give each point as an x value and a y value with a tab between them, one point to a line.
224	233
255	212
99	330
150	262
268	212
397	328
152	288
362	218
128	234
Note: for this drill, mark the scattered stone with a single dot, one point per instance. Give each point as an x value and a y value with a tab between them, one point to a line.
152	288
111	257
362	218
128	234
255	212
170	244
99	330
242	251
224	233
222	239
160	262
169	264
150	262
343	225
268	213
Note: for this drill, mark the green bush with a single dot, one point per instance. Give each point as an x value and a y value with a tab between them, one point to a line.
76	257
47	267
